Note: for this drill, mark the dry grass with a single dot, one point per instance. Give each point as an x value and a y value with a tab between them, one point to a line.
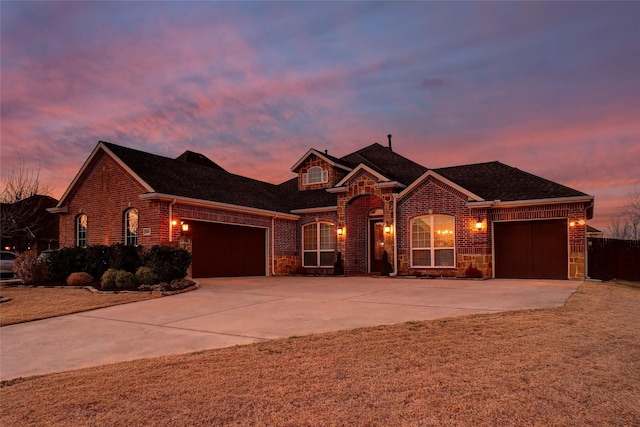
28	303
574	365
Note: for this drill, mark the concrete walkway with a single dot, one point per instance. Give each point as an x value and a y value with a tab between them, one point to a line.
235	311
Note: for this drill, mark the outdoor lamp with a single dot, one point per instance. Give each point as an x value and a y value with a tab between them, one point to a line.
478	224
185	226
387	228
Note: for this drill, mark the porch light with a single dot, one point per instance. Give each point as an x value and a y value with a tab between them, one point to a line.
174	222
340	231
572	224
185	226
387	228
478	224
582	222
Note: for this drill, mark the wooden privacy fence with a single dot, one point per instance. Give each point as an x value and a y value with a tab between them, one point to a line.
613	259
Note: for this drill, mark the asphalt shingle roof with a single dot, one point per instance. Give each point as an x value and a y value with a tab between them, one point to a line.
195	176
180	178
387	162
497	181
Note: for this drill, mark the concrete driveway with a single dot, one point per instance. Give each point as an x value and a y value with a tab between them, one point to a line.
235	311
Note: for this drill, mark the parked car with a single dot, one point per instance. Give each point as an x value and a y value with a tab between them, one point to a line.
6	263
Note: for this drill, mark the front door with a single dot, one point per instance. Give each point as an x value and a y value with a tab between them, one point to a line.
376	245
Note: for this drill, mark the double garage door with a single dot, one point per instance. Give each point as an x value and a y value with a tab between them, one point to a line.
531	249
224	250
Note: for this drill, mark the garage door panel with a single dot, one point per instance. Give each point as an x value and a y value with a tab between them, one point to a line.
531	249
225	250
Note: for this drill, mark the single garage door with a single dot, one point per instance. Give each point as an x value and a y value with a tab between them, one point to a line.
531	249
224	250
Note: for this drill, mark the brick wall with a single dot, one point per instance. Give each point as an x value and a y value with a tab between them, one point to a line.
577	233
106	191
335	174
437	198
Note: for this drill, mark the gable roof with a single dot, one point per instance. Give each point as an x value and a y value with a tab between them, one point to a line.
195	181
386	162
333	161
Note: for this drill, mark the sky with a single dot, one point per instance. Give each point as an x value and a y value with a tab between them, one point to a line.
552	88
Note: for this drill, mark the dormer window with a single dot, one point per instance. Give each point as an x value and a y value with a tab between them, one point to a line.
315	175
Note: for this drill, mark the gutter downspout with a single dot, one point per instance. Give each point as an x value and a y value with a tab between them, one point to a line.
173	202
273	245
395	234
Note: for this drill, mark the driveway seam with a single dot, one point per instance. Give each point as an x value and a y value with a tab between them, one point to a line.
167	326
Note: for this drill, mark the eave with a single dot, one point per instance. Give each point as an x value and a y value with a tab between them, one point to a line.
319	154
435	175
315	210
217	205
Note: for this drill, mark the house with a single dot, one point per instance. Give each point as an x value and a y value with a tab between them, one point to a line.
26	224
376	208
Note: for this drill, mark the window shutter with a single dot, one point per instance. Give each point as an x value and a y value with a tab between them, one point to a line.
325	176
305	179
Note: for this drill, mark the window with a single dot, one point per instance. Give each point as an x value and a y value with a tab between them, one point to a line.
433	241
81	230
131	227
318	245
315	175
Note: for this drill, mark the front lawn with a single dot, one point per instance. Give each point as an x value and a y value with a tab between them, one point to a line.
34	303
574	365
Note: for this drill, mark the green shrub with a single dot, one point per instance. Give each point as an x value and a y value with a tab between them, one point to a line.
124	257
125	280
29	268
95	260
62	262
108	280
167	262
146	276
79	279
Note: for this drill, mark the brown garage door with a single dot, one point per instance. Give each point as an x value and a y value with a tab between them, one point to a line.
223	250
531	249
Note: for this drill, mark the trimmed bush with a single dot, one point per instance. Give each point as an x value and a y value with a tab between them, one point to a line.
108	280
124	257
146	276
29	268
79	279
125	280
62	262
167	262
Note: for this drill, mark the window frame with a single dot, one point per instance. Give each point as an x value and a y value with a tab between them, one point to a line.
319	244
82	231
130	237
323	176
432	247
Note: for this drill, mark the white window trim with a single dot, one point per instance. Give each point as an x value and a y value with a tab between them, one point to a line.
317	251
324	176
431	247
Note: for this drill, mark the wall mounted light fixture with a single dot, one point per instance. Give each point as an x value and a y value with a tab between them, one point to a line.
387	228
340	231
185	226
478	224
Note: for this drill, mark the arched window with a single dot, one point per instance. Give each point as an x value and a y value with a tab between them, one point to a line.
318	244
81	230
315	175
433	241
131	227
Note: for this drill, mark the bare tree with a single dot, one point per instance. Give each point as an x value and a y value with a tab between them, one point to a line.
23	203
626	225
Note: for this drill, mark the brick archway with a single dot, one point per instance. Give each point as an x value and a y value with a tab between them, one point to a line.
356	257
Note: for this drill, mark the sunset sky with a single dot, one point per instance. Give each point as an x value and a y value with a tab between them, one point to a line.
552	88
